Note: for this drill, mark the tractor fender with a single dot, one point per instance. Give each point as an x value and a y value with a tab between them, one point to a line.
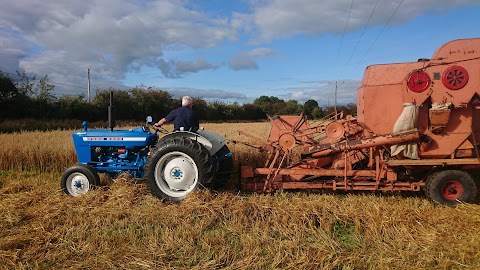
212	141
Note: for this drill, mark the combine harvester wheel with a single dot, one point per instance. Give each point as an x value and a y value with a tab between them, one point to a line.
451	186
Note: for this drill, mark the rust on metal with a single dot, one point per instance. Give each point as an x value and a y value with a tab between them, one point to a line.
354	153
391	139
317	172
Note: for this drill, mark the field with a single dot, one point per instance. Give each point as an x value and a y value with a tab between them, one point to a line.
122	226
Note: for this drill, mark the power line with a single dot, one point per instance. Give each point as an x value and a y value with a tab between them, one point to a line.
343	36
381	32
363	32
64	84
50	82
334	70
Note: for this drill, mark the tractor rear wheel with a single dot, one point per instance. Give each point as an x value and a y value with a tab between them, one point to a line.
451	187
79	179
177	167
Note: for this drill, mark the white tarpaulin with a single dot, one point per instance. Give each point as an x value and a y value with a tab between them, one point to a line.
406	121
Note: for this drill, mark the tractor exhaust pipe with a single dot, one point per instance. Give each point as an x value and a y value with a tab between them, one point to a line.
111	113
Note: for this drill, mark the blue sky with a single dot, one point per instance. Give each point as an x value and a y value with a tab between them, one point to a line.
226	50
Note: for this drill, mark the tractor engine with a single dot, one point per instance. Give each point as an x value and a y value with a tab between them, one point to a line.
121	156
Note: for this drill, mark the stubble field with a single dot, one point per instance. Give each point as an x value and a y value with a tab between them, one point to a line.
121	225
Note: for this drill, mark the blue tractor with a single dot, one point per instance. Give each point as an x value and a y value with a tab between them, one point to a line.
173	164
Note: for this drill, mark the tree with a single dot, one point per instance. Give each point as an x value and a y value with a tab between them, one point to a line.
217	111
317	113
7	88
15	101
24	84
235	111
73	107
270	105
351	109
309	106
252	112
150	101
292	107
44	90
266	99
9	97
25	98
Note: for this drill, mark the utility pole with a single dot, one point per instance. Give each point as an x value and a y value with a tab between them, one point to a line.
88	89
335	101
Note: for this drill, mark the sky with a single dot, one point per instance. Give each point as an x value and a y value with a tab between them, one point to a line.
225	50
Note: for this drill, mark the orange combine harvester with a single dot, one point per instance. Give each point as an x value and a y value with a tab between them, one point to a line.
417	129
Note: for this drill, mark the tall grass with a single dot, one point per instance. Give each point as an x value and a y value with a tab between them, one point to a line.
53	151
37	151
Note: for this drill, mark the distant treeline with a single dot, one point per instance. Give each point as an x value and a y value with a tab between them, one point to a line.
27	97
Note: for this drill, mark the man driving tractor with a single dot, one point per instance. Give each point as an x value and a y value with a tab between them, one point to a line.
184	118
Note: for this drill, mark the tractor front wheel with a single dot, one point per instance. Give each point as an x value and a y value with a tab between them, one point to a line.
451	187
177	167
79	179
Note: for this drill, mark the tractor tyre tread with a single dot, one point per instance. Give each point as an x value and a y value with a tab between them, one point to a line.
188	146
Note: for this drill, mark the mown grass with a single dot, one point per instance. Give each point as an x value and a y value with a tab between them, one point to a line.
122	226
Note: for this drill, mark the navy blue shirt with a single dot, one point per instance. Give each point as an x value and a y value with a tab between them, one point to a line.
183	117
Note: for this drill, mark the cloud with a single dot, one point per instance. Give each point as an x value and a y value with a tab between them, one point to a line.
273	19
70	75
323	92
13	47
114	37
118	37
248	60
194	66
207	94
177	69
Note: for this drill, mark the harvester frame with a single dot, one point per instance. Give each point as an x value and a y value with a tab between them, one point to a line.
417	129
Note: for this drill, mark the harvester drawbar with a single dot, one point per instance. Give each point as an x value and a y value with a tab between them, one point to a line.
417	129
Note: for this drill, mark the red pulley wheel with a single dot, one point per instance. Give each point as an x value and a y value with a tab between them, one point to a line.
334	130
418	81
455	77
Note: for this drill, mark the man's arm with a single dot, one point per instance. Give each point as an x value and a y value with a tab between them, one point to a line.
161	122
167	118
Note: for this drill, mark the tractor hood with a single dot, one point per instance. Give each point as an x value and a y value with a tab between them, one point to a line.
84	140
